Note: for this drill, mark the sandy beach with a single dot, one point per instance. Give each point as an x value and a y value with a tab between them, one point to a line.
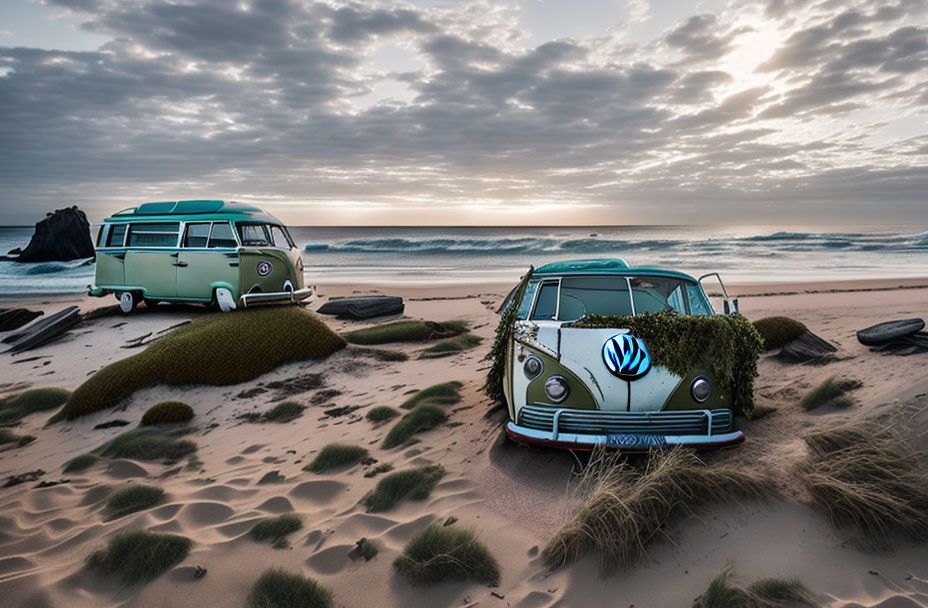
514	497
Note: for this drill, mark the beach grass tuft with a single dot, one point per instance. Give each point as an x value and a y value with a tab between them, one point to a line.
14	408
201	353
381	413
445	393
406	331
146	444
334	455
778	331
284	412
451	346
624	510
278	588
831	391
722	592
167	412
415	484
140	556
134	498
423	417
276	528
79	463
447	553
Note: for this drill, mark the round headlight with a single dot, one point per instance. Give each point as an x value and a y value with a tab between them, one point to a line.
700	389
556	388
532	367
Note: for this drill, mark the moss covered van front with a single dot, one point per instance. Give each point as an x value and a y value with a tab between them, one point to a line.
596	352
212	252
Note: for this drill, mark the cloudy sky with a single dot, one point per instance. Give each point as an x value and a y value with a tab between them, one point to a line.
486	112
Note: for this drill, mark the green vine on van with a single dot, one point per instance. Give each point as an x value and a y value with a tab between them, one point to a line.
497	374
726	345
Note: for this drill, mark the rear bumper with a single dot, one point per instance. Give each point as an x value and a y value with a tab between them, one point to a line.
575	441
250	299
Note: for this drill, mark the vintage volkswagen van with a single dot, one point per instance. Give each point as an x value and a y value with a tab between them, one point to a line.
577	387
212	252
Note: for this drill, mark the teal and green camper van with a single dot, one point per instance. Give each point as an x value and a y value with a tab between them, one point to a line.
214	252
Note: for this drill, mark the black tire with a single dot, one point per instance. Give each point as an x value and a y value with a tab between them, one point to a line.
889	331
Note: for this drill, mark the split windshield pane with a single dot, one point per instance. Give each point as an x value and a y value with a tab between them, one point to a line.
222	236
593	296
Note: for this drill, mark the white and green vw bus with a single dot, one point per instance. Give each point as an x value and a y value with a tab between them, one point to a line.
212	252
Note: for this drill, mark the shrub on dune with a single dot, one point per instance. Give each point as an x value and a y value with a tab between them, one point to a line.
381	413
167	412
145	444
215	350
778	331
624	510
830	391
406	331
451	346
445	393
278	588
423	417
140	556
447	553
334	455
276	528
134	498
415	484
15	407
284	412
79	463
764	593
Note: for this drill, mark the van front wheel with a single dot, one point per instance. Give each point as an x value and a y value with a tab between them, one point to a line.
128	301
224	300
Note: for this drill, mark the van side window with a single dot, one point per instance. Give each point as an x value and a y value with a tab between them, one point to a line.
197	235
279	237
117	235
161	234
546	306
222	236
253	234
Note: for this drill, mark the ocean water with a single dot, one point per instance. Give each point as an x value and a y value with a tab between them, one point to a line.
432	256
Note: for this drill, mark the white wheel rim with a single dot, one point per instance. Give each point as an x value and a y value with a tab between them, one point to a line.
225	300
125	302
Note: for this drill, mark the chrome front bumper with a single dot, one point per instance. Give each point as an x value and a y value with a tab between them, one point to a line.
275	296
582	442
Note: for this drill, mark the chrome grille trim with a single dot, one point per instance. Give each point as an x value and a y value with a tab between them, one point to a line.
556	420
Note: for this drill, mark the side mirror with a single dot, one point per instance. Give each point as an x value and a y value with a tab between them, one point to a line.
735	303
727	307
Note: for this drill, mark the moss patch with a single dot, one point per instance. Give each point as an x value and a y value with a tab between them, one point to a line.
421	418
334	455
167	412
726	345
146	444
381	413
215	350
447	553
79	463
134	498
406	331
778	331
140	556
278	588
415	484
451	346
831	391
15	407
276	528
445	393
723	592
500	349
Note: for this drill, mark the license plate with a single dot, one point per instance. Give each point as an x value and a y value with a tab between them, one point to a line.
628	441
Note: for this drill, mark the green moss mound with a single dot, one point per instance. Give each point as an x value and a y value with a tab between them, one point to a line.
415	484
451	346
723	592
445	393
334	455
167	412
140	556
421	418
493	388
447	553
833	391
381	413
406	331
134	498
278	588
778	331
13	408
284	412
79	463
146	444
726	345
218	349
276	528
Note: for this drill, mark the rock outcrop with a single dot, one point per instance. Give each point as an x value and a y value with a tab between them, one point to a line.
62	236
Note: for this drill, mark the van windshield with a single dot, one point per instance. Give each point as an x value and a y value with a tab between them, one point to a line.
253	234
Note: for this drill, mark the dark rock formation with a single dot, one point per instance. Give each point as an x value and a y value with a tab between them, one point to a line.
364	307
807	348
14	318
62	236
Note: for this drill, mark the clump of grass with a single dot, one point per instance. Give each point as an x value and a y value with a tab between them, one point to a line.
134	498
406	331
381	413
14	408
778	331
167	412
202	353
447	553
284	412
866	479
624	510
830	391
276	528
764	593
146	444
451	346
445	393
140	556
423	417
277	588
384	467
415	484
364	549
7	437
334	455
25	440
79	463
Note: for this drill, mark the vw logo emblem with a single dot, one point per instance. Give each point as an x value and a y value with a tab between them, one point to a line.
626	356
264	268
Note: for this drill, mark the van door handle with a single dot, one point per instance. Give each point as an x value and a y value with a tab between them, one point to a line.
180	264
